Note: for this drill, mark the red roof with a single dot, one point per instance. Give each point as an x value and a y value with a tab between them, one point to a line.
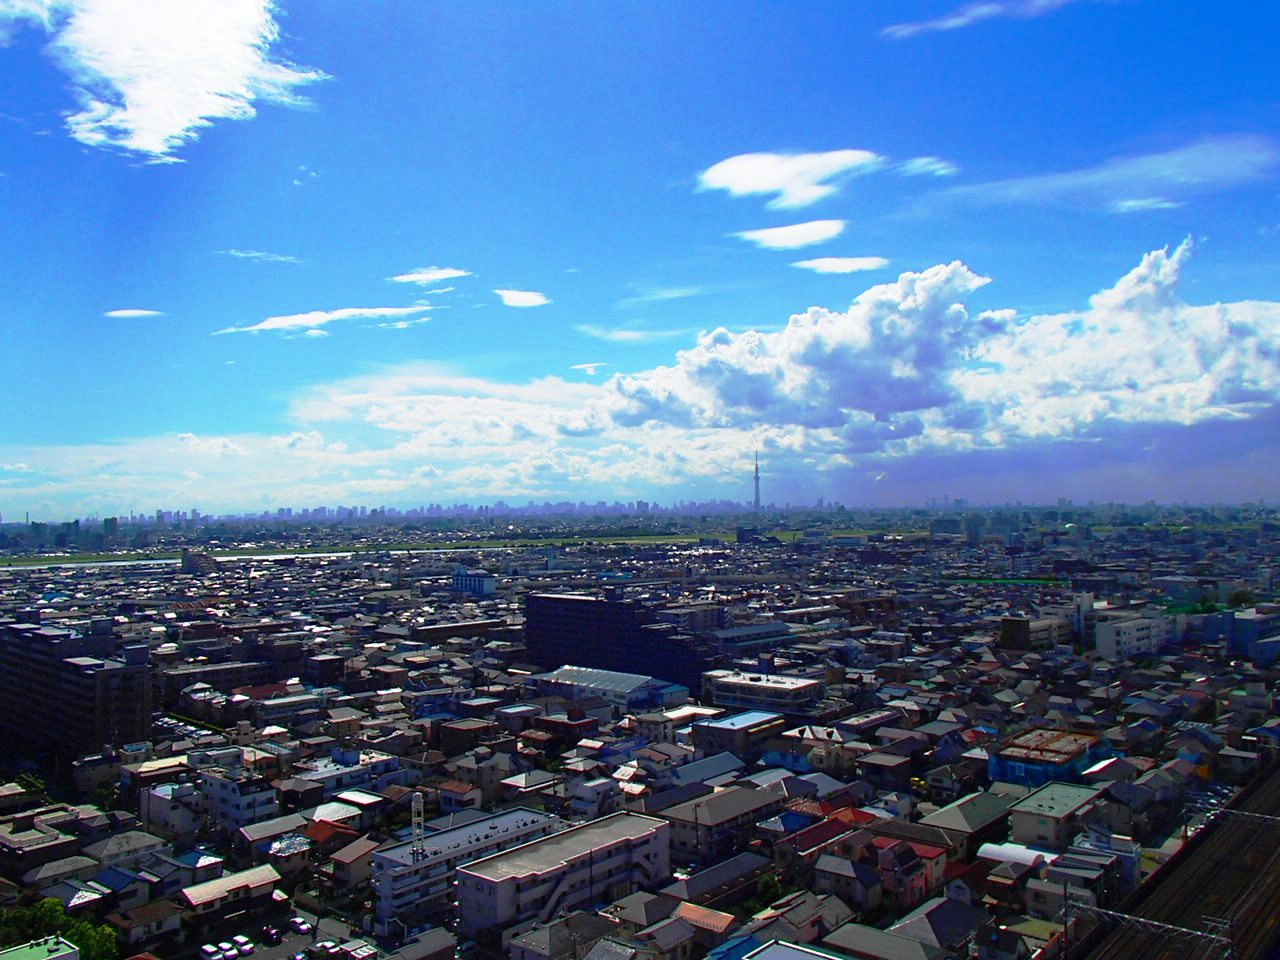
705	918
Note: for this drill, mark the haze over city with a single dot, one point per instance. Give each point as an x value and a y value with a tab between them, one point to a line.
266	254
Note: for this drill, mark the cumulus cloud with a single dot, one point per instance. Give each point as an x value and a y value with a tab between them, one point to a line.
522	298
793	236
928	167
796	179
132	314
425	276
841	264
882	359
1206	166
150	75
261	256
976	12
312	321
907	368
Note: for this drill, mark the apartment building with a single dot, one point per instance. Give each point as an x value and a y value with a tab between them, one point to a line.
598	862
761	691
414	883
70	693
1122	637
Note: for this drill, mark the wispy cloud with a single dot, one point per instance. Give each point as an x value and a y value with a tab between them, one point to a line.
628	334
1206	166
797	179
150	75
927	167
131	314
977	12
660	295
1140	204
261	256
590	369
522	298
428	275
842	264
793	236
312	321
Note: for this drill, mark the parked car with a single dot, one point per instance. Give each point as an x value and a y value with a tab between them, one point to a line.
210	951
271	935
323	948
228	949
244	946
300	925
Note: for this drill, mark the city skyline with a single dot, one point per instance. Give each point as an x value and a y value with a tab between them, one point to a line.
267	254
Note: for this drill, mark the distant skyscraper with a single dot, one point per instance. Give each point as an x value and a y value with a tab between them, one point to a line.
756	503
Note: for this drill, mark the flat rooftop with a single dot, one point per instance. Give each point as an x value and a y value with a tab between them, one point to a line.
741	721
457	840
777	680
43	949
1056	800
548	853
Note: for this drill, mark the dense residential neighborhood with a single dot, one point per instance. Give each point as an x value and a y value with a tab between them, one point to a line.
939	735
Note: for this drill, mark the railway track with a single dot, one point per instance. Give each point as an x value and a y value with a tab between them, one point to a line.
1230	872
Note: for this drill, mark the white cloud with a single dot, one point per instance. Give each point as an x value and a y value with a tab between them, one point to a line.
660	295
873	366
977	12
149	75
522	298
798	179
794	236
928	167
627	334
907	369
209	447
300	440
1206	166
590	369
261	256
842	264
1141	204
313	320
131	314
429	275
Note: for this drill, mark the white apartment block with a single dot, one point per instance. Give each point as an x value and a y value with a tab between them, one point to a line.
598	862
761	691
1134	636
412	887
234	798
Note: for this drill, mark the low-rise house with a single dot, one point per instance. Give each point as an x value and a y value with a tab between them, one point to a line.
248	891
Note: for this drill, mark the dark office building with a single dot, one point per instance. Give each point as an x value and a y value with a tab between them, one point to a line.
612	633
69	693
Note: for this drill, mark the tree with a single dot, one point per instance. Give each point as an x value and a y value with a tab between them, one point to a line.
1241	598
49	918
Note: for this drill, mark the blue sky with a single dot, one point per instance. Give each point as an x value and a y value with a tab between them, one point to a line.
264	254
